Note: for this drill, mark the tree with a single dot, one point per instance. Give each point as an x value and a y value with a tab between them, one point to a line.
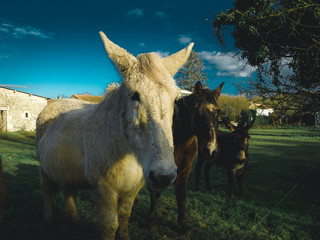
191	73
281	38
232	106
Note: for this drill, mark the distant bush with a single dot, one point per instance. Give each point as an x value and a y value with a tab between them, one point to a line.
233	105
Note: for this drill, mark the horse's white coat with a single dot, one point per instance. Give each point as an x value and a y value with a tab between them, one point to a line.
111	146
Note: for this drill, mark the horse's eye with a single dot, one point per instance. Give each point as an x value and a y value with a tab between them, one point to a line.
135	96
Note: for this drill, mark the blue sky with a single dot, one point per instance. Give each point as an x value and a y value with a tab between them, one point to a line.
52	48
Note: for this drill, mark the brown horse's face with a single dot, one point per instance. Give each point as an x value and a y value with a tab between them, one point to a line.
206	117
240	138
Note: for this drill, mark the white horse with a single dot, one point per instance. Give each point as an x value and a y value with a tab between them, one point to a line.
115	146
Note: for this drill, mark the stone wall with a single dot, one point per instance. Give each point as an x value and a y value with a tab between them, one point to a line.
21	109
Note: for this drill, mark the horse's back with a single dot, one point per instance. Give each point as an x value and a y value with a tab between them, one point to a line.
53	110
58	141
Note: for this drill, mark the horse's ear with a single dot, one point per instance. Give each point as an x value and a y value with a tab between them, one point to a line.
119	56
197	88
218	90
177	60
229	125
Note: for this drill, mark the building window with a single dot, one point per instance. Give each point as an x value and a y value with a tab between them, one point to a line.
27	115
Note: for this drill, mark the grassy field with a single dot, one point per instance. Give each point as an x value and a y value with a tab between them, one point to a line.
282	198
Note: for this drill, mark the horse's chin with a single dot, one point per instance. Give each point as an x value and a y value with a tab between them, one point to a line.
152	188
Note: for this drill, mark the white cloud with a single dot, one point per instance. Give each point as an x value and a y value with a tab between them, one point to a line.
227	64
20	32
184	39
13	86
137	12
162	54
160	14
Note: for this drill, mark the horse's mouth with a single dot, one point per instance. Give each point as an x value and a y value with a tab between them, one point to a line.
151	188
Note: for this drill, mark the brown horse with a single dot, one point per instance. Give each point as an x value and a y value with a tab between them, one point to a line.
195	115
2	189
232	155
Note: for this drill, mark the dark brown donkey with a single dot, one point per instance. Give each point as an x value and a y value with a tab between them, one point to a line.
2	189
195	115
232	155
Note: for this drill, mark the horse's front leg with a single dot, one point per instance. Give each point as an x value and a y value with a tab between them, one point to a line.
180	187
207	169
106	200
125	208
231	178
71	208
200	162
240	178
154	197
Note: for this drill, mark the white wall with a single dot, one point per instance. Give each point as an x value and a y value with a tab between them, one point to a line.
22	109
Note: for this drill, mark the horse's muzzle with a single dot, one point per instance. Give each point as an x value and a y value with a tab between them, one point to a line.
209	156
158	182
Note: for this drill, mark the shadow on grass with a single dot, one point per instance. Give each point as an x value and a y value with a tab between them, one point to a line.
23	211
27	139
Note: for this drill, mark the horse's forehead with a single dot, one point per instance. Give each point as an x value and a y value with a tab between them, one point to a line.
208	102
150	78
211	107
208	97
158	97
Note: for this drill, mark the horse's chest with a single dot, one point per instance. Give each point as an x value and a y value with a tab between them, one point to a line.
127	175
185	151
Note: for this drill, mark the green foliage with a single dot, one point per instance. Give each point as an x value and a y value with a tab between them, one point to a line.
191	72
282	39
263	120
246	116
233	105
282	198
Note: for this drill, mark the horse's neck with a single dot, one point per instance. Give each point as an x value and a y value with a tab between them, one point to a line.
183	128
109	112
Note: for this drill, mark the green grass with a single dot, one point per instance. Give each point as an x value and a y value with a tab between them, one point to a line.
282	198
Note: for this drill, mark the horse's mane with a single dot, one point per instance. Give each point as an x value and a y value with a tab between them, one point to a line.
185	102
110	90
182	107
151	65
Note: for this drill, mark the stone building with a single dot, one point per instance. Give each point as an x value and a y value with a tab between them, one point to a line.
262	110
19	110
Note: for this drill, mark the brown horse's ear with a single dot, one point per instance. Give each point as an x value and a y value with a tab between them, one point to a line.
229	125
197	88
218	90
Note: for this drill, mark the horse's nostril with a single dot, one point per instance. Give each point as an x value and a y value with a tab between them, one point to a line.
161	180
152	177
